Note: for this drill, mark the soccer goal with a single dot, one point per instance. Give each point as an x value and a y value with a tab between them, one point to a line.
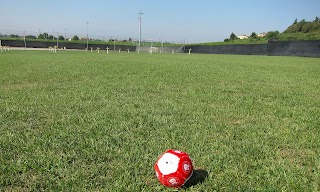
161	47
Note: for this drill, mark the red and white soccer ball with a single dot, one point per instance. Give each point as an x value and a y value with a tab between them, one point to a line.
173	168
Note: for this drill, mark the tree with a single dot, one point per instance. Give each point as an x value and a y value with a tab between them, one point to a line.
14	36
51	37
253	35
295	21
75	38
272	34
233	36
41	36
317	19
45	35
31	37
61	38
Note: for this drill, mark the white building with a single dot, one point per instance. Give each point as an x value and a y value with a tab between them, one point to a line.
262	34
243	37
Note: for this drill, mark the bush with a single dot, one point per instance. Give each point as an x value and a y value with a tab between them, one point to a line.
233	36
30	37
272	35
14	36
75	38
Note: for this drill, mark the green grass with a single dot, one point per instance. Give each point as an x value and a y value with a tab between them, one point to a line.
299	36
76	121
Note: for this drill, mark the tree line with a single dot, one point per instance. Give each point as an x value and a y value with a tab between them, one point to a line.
46	36
304	26
298	27
270	35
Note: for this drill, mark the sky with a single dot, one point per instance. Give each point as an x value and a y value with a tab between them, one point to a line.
192	21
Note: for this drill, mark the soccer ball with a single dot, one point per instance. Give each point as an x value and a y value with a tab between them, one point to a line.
173	168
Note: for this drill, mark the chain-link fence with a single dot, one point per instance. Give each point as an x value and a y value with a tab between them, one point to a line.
64	37
60	35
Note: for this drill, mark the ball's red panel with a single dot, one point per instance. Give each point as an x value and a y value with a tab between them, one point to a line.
173	168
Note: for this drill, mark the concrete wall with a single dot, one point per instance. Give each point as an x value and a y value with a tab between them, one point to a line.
294	48
39	44
177	49
257	49
274	48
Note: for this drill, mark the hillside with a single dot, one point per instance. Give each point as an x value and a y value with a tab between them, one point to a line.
303	30
304	27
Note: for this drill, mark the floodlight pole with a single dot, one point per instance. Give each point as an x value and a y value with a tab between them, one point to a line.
24	39
140	18
87	36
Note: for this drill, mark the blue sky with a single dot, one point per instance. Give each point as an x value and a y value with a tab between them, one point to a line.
167	20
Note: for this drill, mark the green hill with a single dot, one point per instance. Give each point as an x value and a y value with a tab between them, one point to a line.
304	26
303	30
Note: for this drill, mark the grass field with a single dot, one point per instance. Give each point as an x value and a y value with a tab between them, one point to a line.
76	121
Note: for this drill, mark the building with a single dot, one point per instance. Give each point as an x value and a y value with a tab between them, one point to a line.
262	34
243	37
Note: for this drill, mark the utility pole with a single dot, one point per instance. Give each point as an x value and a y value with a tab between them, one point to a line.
24	39
140	18
87	36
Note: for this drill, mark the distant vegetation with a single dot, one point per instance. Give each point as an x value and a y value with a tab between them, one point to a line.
75	39
304	27
303	30
45	37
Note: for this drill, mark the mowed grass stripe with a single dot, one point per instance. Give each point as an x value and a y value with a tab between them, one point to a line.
89	121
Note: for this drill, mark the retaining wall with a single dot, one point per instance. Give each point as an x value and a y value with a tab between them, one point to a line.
39	44
272	48
294	48
257	49
166	49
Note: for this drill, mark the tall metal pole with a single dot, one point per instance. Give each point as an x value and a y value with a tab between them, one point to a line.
24	38
87	36
140	18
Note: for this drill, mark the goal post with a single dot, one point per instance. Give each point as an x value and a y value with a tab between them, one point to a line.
161	47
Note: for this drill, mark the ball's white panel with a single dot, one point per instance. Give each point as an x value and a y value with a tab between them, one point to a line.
168	163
